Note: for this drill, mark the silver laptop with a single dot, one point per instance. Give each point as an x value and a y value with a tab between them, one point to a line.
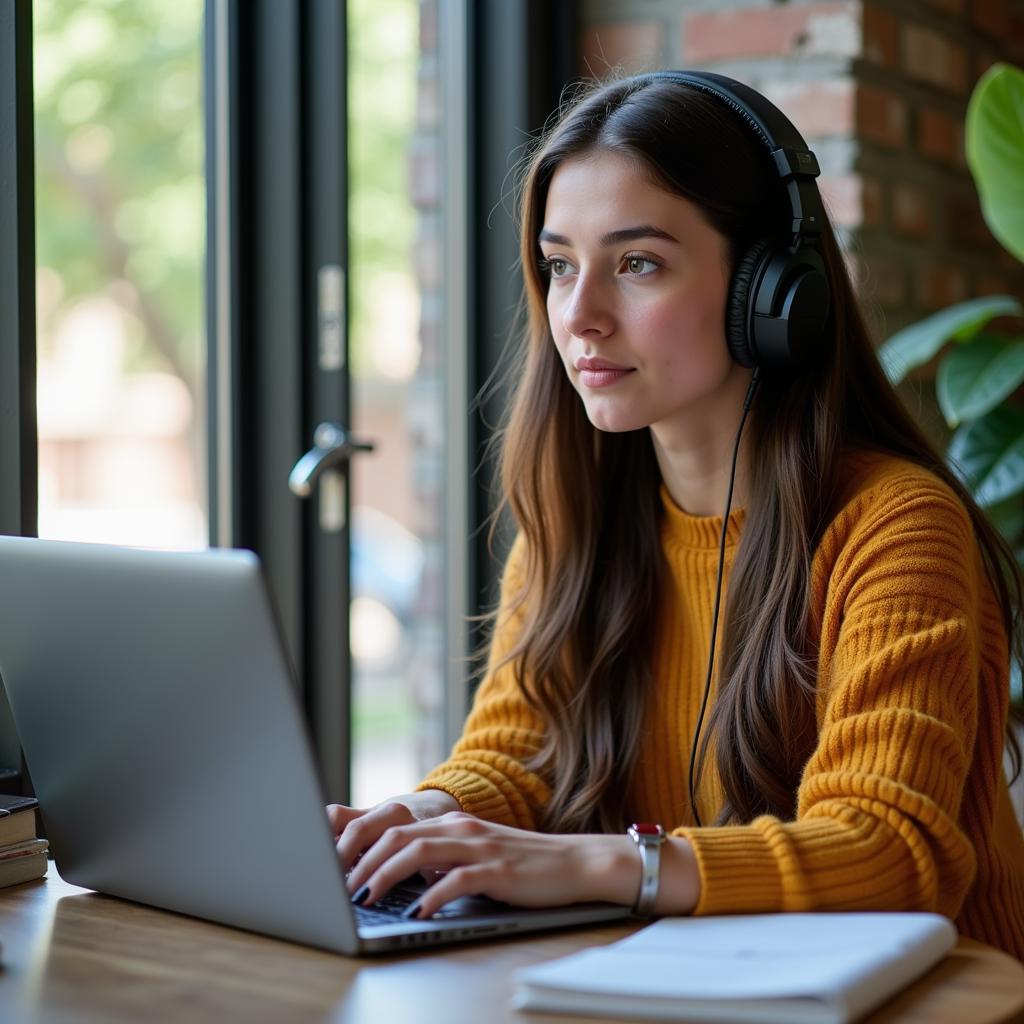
165	742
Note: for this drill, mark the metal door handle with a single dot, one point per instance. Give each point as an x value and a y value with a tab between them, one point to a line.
333	445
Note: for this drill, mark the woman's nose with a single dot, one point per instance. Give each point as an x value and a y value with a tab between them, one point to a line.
587	311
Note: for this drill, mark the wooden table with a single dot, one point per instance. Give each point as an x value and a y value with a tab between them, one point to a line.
73	955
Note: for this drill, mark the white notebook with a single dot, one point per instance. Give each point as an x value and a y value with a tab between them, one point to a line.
785	968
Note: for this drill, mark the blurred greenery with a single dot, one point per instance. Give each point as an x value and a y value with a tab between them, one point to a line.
382	53
980	371
120	207
383	711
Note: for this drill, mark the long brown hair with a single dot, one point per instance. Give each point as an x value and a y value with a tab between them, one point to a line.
587	502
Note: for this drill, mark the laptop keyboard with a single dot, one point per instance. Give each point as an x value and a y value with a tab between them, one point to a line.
388	910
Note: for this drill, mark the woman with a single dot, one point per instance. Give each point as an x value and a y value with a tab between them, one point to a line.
852	756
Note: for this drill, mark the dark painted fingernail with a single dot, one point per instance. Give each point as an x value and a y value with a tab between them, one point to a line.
412	911
359	898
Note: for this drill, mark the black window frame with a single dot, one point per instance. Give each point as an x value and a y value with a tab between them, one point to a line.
19	468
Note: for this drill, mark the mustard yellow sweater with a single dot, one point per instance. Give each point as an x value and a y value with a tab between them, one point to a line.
904	802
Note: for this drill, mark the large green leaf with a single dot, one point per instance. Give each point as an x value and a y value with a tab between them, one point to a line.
1008	517
974	378
916	344
988	454
995	152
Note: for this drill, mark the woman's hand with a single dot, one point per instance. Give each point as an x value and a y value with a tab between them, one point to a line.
528	869
355	830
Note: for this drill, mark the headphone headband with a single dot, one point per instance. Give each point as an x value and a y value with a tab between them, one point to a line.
796	165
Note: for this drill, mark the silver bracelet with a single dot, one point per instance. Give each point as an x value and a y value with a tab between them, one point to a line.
649	840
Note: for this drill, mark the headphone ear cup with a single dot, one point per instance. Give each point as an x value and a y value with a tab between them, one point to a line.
737	304
787	308
777	307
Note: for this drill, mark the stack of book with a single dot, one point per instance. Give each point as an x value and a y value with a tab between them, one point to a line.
22	854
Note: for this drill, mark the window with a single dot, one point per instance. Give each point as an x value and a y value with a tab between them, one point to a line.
119	235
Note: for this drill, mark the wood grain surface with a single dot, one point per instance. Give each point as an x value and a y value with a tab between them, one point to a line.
72	955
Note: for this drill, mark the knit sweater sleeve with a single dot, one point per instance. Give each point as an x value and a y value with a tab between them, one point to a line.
487	771
879	800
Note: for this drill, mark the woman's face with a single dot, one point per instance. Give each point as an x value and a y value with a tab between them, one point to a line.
636	298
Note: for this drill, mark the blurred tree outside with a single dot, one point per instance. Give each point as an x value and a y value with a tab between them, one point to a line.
382	220
120	203
119	153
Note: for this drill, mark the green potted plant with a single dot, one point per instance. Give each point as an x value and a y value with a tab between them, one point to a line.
982	366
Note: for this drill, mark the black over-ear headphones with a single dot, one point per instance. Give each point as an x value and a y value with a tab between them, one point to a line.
779	295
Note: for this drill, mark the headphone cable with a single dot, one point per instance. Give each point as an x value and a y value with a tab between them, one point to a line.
747	402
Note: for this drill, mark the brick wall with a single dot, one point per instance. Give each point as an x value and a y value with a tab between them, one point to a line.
879	90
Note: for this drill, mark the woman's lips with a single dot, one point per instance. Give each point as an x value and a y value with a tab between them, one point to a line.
602	378
599	373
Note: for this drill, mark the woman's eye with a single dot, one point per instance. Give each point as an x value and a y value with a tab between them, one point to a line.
639	265
556	267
